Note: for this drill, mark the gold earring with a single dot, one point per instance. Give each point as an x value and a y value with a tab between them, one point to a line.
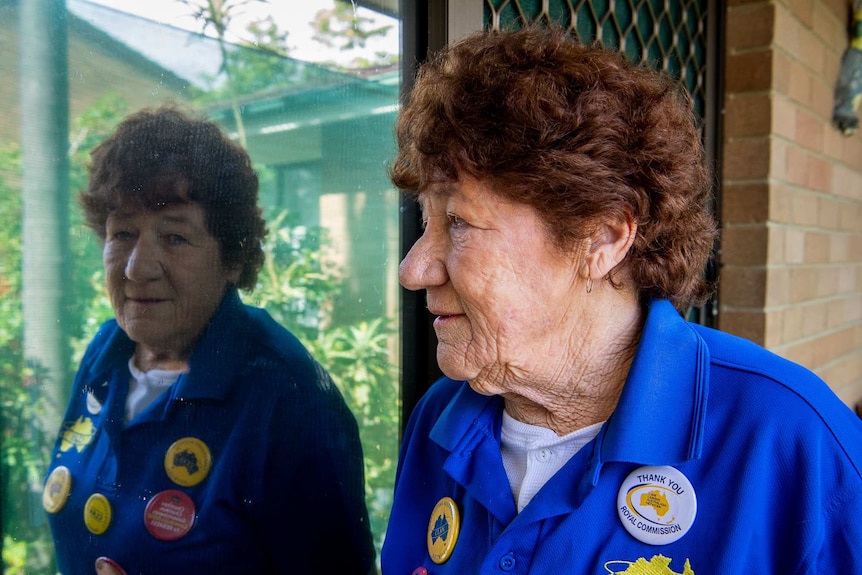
589	282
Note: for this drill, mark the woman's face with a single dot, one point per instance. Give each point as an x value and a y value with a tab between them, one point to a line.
506	298
164	275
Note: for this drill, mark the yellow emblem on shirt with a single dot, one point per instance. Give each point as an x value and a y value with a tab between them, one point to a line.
658	565
443	529
77	434
188	461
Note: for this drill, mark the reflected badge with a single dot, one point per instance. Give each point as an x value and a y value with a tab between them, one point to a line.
94	406
57	489
656	504
107	566
77	434
169	515
97	514
443	529
188	461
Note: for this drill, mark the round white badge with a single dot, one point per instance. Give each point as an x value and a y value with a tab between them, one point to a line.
657	505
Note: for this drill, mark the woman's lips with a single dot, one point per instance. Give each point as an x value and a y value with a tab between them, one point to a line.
144	302
445	319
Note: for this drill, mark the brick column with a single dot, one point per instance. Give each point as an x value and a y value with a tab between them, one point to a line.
791	215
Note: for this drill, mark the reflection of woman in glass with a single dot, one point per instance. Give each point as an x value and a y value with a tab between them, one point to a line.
583	422
201	437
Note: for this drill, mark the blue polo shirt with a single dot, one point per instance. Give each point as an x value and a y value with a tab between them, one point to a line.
773	458
249	463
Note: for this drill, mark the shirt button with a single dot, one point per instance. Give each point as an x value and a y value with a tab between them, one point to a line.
507	562
543	455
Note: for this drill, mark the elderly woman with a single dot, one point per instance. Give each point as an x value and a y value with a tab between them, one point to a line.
201	437
583	425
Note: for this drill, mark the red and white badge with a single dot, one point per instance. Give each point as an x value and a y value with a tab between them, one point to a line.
169	515
107	566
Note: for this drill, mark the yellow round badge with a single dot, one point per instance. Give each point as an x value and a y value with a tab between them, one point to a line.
188	461
97	514
443	529
57	489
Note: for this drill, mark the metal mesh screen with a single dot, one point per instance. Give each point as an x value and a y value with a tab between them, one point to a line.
670	35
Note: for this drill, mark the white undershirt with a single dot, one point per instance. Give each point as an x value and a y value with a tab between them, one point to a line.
533	454
146	386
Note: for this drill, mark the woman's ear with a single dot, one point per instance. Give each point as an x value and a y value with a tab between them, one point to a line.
609	245
234	272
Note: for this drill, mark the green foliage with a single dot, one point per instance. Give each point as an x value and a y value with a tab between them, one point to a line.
257	60
298	286
218	15
358	358
86	132
342	27
22	449
296	283
249	70
10	257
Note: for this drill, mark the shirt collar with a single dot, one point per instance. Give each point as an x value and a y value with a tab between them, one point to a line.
468	417
212	365
219	353
469	428
659	419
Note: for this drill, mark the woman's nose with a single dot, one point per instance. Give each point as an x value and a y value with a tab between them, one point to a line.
423	266
143	263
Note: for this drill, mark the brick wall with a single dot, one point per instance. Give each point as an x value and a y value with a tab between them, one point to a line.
791	212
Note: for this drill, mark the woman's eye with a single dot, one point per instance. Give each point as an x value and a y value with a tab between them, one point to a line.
455	221
176	239
120	235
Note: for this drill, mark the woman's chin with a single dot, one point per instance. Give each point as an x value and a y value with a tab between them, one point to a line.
476	386
454	367
451	363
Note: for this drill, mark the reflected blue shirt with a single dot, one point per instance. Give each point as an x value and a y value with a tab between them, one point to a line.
285	493
773	456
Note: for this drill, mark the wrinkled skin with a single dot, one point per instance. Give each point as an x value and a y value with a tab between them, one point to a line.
165	279
514	316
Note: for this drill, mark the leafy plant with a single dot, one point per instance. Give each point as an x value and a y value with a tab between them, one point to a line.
297	287
345	28
357	357
22	449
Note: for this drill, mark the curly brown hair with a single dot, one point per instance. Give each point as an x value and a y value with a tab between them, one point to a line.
577	132
160	156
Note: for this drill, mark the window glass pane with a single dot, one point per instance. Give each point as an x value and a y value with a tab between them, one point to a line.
309	88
